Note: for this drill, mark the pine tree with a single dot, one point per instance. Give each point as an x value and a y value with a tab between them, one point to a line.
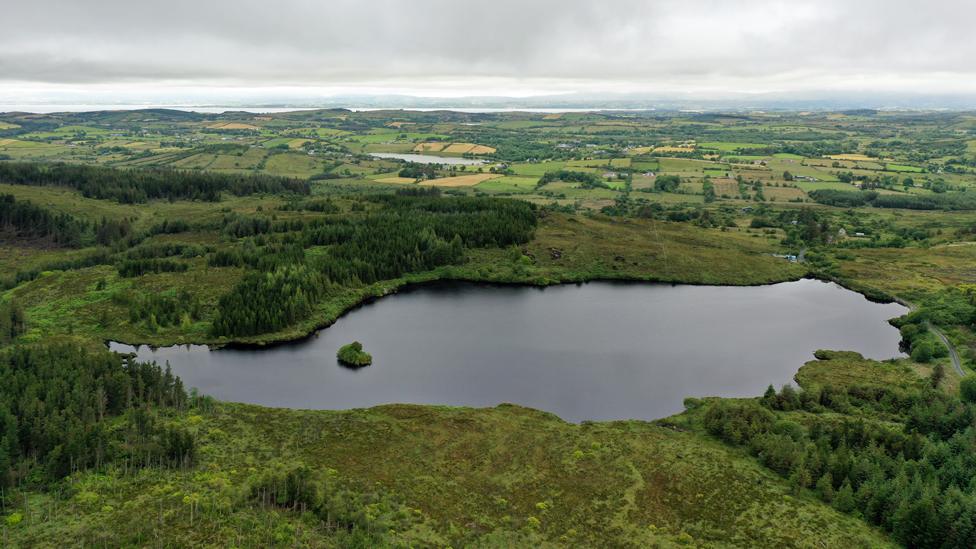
800	478
844	498
825	487
4	464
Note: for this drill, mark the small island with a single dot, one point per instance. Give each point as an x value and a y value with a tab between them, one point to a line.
353	355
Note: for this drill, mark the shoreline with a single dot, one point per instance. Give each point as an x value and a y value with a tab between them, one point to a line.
447	290
316	325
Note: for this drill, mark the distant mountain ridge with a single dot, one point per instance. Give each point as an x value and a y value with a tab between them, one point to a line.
826	101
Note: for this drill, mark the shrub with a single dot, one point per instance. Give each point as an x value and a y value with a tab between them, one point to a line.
354	355
923	351
967	389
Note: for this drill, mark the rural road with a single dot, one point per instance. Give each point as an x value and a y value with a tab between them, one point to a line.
956	363
952	350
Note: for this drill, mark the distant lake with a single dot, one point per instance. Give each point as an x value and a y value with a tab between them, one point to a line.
594	351
490	110
431	159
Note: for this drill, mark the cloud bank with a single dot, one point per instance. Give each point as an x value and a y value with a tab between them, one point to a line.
502	47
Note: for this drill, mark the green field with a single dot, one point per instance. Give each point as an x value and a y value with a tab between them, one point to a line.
537	169
510	184
903	168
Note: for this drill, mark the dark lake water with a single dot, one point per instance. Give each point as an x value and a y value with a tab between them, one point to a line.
595	351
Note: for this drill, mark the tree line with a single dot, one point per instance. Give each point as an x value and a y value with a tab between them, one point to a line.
321	205
140	185
587	180
418	171
29	220
137	267
853	199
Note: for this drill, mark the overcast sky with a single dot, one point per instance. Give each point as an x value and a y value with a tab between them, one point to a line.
234	48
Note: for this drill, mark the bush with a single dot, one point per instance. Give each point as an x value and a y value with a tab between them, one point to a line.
737	422
967	389
667	183
354	355
922	351
137	267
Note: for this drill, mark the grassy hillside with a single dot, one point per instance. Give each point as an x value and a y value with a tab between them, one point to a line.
444	476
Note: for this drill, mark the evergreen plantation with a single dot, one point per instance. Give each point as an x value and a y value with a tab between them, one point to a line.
911	474
65	409
128	186
29	220
405	234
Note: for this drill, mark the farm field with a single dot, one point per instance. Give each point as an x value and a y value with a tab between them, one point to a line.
322	146
453	148
508	184
232	126
469	180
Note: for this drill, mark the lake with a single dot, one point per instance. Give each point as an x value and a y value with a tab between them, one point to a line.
431	159
594	351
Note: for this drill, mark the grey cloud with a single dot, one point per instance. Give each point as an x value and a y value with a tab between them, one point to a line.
668	43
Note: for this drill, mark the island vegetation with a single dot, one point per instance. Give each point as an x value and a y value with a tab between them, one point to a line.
352	354
239	228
